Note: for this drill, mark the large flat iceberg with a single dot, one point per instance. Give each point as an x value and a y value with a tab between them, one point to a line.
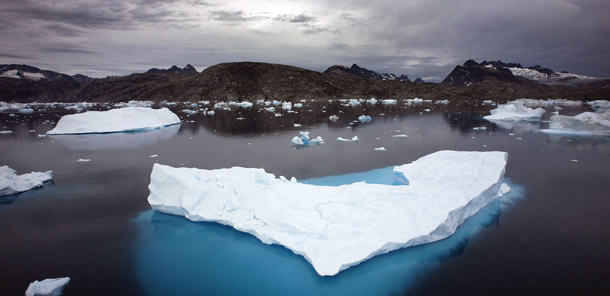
515	112
587	123
11	183
337	227
127	119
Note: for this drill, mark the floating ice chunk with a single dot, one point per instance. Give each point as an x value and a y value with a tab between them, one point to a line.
599	105
444	102
154	155
479	128
11	183
372	101
287	105
189	111
353	102
389	102
317	140
364	118
381	149
400	136
277	114
6	132
276	103
210	112
414	101
133	103
243	104
337	227
549	102
116	120
587	123
515	112
298	105
270	109
26	111
333	118
297	141
297	125
426	110
353	139
47	287
83	160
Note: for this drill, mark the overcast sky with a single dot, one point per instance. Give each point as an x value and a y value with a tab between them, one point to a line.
418	38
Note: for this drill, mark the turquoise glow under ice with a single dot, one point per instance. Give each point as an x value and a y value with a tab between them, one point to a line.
175	256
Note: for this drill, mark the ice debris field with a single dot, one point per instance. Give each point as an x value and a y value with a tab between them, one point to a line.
336	227
127	119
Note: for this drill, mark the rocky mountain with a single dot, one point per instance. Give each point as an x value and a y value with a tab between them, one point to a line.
419	80
357	71
472	72
27	72
253	81
187	70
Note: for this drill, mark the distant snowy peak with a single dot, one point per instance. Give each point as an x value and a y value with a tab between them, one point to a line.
472	72
187	70
32	73
357	71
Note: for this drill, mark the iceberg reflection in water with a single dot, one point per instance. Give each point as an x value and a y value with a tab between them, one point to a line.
180	257
119	140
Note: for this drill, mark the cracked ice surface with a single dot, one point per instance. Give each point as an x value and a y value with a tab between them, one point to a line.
335	227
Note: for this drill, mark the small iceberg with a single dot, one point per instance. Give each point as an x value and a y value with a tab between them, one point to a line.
587	123
47	287
127	119
11	183
83	160
353	139
304	140
599	105
333	118
381	149
336	227
364	118
515	112
389	102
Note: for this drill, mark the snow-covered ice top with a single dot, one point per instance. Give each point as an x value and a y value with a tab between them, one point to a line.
364	118
515	112
47	287
353	139
599	105
116	120
335	227
11	183
587	123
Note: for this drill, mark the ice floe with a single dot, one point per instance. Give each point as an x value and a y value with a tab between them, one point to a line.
353	139
127	119
47	287
333	118
304	140
11	183
587	123
515	112
381	149
336	227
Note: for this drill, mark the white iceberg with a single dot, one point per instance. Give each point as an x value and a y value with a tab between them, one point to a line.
133	103
353	139
11	183
304	140
127	119
372	101
364	118
47	287
587	123
515	112
599	105
336	227
389	102
381	149
333	118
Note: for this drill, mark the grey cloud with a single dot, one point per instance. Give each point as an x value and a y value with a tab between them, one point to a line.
232	16
14	56
301	18
66	48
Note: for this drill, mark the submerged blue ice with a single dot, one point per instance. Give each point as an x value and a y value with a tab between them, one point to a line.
179	257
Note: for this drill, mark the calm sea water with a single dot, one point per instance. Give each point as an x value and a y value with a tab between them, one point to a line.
551	235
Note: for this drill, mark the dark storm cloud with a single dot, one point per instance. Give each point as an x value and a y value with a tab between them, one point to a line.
64	30
13	56
68	48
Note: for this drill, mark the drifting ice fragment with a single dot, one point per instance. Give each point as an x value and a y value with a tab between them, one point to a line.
364	118
83	160
116	120
381	149
587	123
389	102
337	227
515	112
11	183
47	287
333	118
354	139
304	140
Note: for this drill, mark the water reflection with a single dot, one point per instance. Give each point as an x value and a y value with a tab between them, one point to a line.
518	126
580	142
130	140
179	257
